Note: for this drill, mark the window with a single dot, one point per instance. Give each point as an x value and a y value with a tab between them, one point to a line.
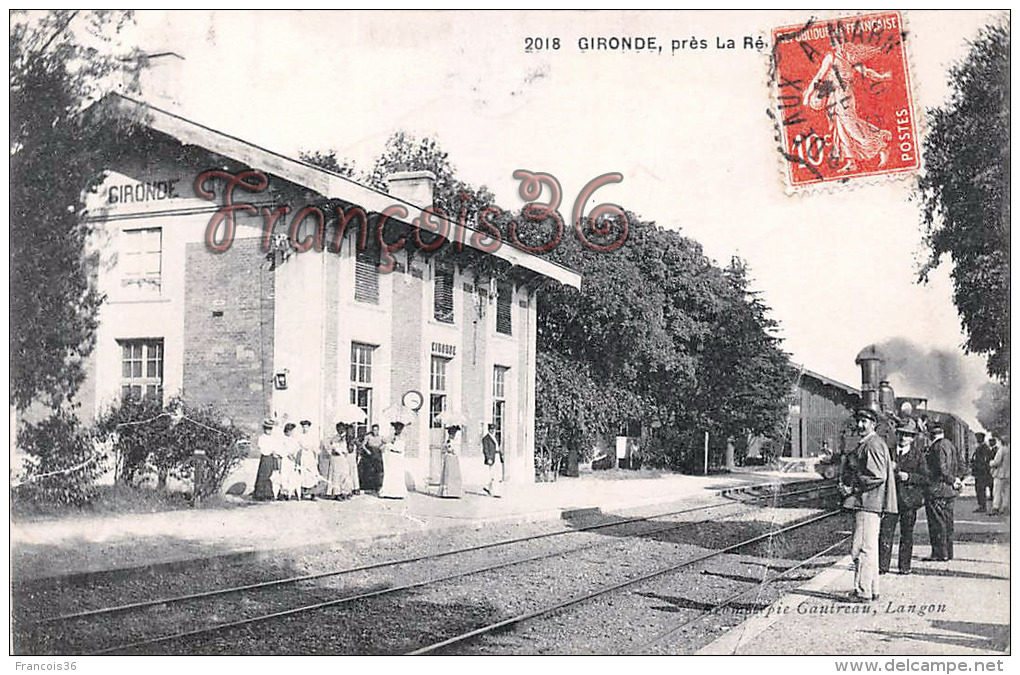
361	381
504	305
437	386
366	276
141	374
141	259
443	298
499	401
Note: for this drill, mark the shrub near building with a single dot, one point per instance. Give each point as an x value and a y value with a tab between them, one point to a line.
148	438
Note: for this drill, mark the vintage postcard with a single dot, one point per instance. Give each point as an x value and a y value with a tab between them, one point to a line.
377	333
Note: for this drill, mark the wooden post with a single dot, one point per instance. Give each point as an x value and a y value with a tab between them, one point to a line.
706	453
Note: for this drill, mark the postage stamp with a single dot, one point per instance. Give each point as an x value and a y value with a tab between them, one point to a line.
843	101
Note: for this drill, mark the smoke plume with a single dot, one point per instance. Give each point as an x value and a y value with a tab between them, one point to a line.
936	374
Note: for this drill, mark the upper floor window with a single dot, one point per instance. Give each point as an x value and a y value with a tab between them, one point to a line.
443	296
504	308
141	374
141	259
366	276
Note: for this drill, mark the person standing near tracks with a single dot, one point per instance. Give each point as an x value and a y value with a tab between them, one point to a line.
335	468
868	484
269	457
371	466
490	448
943	488
450	485
979	466
308	461
911	479
1000	474
393	485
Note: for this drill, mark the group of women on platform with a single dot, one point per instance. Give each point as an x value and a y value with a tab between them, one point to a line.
291	468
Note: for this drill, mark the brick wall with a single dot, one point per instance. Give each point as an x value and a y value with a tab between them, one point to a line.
406	348
334	353
474	394
228	330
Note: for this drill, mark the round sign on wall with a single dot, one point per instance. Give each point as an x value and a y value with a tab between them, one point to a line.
413	400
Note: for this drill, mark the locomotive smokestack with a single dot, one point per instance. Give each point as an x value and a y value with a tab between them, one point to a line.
870	362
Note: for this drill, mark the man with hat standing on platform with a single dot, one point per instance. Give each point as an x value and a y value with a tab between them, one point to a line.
911	479
979	467
867	482
943	487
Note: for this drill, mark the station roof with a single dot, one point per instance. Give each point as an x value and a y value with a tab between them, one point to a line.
317	179
828	380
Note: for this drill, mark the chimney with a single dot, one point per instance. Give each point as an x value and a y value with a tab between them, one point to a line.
870	362
414	187
160	79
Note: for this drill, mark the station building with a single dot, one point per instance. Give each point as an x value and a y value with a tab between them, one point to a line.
257	326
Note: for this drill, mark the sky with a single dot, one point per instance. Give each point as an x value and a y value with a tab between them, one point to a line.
688	131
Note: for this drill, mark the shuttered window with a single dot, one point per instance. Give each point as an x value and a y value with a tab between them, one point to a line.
366	276
504	305
443	296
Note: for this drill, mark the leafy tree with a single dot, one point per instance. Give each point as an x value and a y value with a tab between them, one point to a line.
62	462
330	161
993	409
54	157
453	197
964	192
148	437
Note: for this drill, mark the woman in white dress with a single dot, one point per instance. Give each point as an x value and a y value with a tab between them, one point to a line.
335	469
308	460
289	476
393	486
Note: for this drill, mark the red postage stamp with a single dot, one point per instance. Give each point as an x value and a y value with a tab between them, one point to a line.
843	100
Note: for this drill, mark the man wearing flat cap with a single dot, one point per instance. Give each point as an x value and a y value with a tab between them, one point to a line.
867	482
911	479
943	487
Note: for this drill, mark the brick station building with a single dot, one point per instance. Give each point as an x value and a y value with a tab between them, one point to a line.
293	334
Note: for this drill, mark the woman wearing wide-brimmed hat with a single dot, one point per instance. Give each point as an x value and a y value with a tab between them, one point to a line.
269	451
450	484
393	486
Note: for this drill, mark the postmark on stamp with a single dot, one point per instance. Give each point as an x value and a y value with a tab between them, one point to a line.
842	99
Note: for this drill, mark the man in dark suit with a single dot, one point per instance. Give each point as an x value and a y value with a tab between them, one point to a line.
911	479
943	488
867	482
982	472
490	449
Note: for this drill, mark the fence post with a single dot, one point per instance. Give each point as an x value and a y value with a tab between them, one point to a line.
706	453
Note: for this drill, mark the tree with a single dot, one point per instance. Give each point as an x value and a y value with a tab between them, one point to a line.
54	158
330	161
993	409
964	192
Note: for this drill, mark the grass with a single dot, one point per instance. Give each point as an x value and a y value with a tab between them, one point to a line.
114	500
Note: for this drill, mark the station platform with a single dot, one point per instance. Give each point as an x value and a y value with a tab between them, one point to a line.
86	545
959	608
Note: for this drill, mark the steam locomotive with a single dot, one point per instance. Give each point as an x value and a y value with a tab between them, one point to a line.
878	394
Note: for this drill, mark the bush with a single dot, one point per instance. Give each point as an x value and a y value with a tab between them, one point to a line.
63	462
150	438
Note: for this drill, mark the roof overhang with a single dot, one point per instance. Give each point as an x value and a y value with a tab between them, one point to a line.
326	183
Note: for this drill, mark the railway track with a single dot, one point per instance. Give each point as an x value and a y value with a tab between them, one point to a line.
505	624
64	624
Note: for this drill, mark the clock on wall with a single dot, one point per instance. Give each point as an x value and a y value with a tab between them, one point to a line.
413	400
